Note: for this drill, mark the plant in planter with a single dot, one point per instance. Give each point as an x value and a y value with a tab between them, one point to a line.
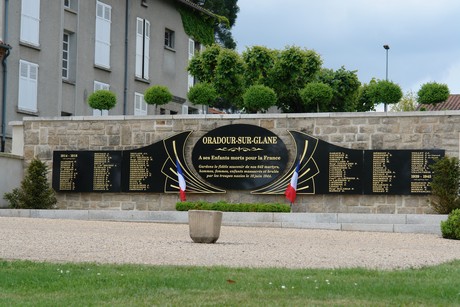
102	100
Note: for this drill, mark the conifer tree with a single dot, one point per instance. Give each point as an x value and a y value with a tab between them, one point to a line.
35	191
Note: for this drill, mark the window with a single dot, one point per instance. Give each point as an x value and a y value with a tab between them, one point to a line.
30	21
140	106
65	55
191	53
102	44
169	38
142	48
100	86
71	5
68	57
28	79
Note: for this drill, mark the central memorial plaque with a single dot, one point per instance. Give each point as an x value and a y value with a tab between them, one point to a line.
246	157
239	157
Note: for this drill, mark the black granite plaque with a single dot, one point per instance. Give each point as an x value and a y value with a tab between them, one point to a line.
87	171
340	169
245	157
398	172
239	157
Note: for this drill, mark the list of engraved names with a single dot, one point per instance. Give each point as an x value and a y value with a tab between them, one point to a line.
139	163
68	171
421	174
382	175
339	167
103	165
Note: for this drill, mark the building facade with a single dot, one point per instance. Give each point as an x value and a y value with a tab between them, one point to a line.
63	50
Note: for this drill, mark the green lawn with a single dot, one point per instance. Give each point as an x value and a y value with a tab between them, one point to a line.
27	283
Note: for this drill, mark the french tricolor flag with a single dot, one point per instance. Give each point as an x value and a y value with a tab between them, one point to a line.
180	177
292	187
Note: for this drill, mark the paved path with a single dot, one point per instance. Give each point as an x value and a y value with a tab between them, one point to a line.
169	244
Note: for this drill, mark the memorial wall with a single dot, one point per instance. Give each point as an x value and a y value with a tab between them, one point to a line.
355	162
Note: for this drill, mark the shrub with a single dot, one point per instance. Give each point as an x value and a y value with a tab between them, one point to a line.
202	94
34	192
451	227
316	95
227	207
102	100
445	185
258	98
433	93
157	95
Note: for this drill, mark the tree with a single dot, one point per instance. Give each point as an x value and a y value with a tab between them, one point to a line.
157	95
34	192
378	91
407	103
223	70
445	185
285	71
365	101
202	94
387	92
102	100
228	9
293	69
258	62
203	64
228	80
345	86
258	98
433	93
316	96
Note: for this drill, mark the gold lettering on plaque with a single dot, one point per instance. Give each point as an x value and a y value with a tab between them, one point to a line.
382	176
139	171
68	172
101	172
339	165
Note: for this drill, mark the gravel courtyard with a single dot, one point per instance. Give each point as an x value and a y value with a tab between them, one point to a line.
169	244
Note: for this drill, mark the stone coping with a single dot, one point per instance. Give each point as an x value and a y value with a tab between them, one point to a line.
402	223
243	116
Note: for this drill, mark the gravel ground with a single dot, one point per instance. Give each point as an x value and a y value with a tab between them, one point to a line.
170	244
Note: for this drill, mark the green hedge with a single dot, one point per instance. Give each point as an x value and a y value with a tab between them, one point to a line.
227	207
451	227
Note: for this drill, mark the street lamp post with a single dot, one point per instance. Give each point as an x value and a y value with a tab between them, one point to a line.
386	47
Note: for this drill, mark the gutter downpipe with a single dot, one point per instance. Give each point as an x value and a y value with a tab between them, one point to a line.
4	64
125	91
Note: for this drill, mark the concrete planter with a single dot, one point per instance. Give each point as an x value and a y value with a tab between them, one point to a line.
204	225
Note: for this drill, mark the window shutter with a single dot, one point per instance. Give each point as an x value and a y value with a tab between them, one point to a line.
28	80
146	49
30	21
102	44
140	106
191	53
139	46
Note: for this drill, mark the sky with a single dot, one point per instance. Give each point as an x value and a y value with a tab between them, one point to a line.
423	36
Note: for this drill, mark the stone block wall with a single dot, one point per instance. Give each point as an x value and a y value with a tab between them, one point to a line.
408	130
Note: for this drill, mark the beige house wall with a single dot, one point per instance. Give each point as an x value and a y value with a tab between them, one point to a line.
408	130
